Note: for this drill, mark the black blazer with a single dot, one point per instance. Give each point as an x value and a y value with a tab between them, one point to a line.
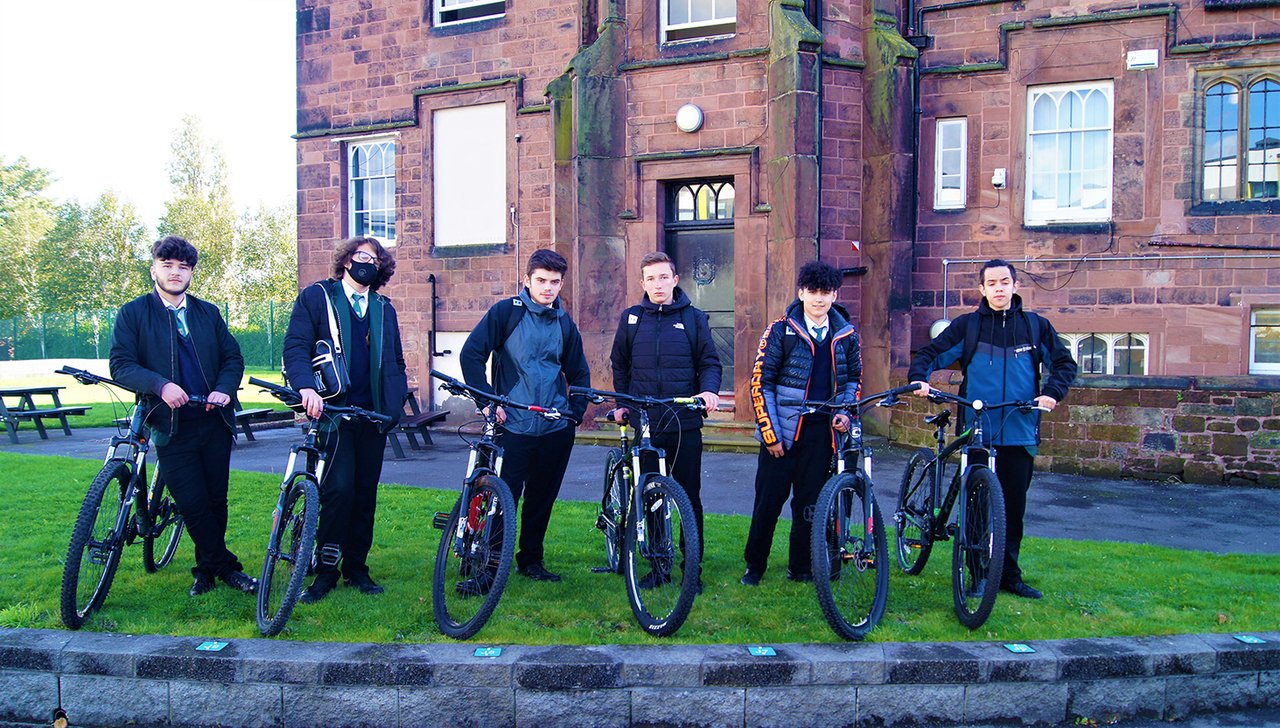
309	323
144	353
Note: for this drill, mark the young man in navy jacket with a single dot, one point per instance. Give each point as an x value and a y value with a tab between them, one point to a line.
370	333
1004	365
170	345
811	353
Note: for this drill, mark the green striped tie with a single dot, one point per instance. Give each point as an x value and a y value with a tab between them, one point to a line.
355	304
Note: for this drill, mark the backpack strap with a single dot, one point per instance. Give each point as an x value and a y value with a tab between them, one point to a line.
970	340
1034	323
687	320
516	314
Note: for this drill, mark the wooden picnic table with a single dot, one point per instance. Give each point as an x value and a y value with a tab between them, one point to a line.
414	424
24	407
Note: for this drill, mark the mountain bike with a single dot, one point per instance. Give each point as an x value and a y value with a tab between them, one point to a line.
651	534
108	520
924	510
478	539
850	553
294	520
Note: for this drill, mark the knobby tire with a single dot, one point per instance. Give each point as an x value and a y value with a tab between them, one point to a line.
977	557
914	516
670	558
289	549
850	557
166	529
466	587
97	541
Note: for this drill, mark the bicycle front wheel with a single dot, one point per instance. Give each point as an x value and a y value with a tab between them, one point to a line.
166	531
96	544
474	558
977	557
289	548
914	516
613	510
663	557
850	556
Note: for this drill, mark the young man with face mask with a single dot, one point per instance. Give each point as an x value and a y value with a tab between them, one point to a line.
370	333
170	345
537	356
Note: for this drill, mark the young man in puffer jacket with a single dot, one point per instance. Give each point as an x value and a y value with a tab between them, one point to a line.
1002	365
811	353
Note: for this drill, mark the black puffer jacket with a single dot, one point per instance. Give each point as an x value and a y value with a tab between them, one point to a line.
659	360
782	371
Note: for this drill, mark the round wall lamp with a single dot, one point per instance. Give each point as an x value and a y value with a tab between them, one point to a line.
937	327
689	118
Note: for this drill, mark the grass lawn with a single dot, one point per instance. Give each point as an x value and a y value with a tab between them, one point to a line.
105	411
1094	588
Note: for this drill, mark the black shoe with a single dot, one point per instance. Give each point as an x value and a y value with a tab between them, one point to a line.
538	572
319	589
799	575
202	585
240	581
1022	589
653	579
751	578
364	583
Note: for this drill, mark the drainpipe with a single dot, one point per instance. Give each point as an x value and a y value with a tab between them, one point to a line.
431	338
817	202
515	222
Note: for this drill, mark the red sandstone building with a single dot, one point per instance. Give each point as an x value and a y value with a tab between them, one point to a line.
1126	158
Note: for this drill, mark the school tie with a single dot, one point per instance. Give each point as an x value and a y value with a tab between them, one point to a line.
180	316
819	334
355	304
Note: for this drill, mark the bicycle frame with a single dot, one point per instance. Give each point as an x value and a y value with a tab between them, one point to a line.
485	458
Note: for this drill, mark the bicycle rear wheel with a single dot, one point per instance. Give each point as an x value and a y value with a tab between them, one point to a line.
474	558
289	548
850	556
663	570
166	531
977	557
914	516
613	510
97	541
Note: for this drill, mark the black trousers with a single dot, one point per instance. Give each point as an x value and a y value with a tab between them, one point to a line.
1014	468
196	465
684	463
802	470
533	466
349	497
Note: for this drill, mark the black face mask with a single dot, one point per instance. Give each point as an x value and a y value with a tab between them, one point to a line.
363	273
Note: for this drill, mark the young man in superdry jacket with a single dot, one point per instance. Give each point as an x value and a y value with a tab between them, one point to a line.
170	345
370	333
1000	348
811	353
663	348
537	356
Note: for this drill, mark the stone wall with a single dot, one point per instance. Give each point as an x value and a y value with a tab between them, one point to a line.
1215	430
109	680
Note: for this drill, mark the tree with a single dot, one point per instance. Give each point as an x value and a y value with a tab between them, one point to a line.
201	210
93	258
26	214
266	255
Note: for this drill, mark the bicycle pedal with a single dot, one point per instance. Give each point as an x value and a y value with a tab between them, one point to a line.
440	520
601	570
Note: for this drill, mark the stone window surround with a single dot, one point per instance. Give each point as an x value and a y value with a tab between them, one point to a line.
1074	338
939	125
350	144
1239	75
438	10
1081	215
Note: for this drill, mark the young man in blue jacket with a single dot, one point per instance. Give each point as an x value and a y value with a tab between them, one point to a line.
170	345
663	348
811	353
537	356
1000	348
370	334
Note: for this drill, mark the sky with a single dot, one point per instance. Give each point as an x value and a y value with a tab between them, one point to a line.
94	91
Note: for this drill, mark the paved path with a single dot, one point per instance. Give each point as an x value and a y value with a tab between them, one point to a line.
1218	519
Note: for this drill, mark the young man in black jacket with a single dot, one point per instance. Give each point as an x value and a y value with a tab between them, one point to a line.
370	334
811	353
537	356
170	345
663	348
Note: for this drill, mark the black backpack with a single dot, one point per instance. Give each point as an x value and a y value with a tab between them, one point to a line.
516	314
687	320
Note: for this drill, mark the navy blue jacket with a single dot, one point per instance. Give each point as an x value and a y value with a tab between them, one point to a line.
1002	367
652	356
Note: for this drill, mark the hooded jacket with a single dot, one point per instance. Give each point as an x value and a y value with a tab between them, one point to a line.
657	359
1002	368
782	371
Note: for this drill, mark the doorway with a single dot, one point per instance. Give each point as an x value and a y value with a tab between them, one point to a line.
699	238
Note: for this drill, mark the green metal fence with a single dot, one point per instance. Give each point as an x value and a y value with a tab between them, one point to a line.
259	327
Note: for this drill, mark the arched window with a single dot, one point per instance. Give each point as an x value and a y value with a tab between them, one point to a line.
1108	353
704	202
1069	153
1240	145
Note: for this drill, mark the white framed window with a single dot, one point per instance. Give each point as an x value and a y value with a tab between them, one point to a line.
696	19
950	163
469	175
1069	153
1111	353
450	12
371	189
1264	341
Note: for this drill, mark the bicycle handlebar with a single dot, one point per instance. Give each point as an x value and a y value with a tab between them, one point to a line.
481	397
889	397
598	396
87	377
293	399
978	405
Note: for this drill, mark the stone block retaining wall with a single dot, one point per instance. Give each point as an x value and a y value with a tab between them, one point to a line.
109	680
